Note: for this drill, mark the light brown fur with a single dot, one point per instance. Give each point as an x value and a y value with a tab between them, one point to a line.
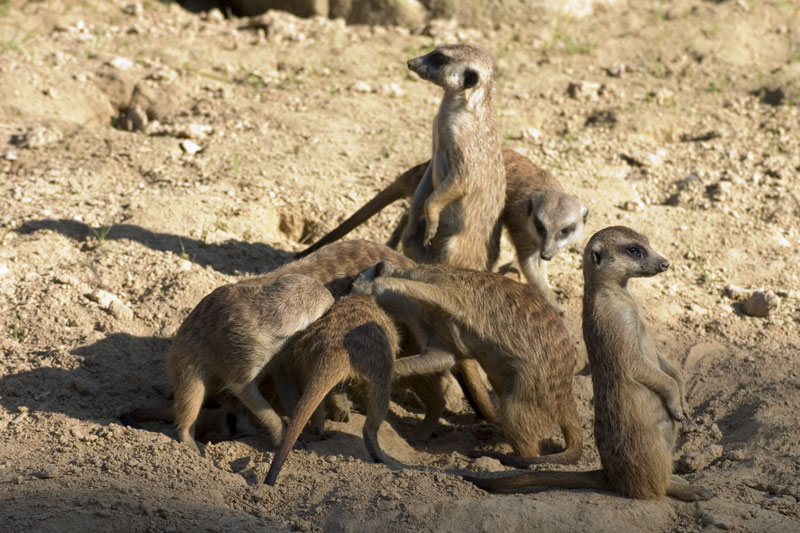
354	338
454	217
532	195
233	333
508	327
228	339
639	395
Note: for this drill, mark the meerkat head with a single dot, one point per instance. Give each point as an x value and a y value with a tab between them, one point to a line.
456	68
618	253
557	219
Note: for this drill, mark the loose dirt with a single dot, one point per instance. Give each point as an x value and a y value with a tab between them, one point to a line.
149	155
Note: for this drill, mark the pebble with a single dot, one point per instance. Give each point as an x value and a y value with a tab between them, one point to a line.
134	9
486	464
692	462
190	147
112	303
617	69
361	87
761	303
84	388
584	90
121	63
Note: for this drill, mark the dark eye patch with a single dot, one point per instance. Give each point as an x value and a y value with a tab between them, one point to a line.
539	227
437	59
635	251
566	231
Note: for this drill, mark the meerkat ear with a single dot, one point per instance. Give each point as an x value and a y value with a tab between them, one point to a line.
471	78
584	213
597	255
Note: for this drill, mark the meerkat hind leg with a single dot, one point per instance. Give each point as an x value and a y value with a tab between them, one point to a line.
187	404
266	415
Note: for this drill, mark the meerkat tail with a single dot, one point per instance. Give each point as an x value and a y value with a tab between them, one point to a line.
327	376
400	188
593	479
429	362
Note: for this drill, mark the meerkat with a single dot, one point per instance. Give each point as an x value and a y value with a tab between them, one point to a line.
228	339
638	394
540	217
461	195
354	338
518	338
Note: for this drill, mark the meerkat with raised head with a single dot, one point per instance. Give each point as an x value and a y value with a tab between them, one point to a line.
455	211
540	217
354	338
518	338
638	394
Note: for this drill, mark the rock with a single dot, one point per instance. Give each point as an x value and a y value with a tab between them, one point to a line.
720	191
84	388
584	90
104	298
361	87
698	460
734	292
120	310
111	303
121	63
617	69
133	9
486	464
761	303
240	464
190	147
36	137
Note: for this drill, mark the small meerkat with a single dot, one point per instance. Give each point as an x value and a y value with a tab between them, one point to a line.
638	394
461	195
228	339
540	218
518	338
230	336
354	338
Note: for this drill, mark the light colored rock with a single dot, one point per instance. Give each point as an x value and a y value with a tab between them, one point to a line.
761	303
584	90
486	464
121	63
190	147
361	87
692	462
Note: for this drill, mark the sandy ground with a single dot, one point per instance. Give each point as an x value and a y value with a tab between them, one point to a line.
682	123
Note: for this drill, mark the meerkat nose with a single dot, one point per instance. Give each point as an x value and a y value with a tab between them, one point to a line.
664	265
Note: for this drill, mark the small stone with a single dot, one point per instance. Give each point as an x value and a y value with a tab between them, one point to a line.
104	298
121	63
198	131
761	303
734	292
486	464
133	9
190	147
736	455
584	90
67	279
633	205
240	464
617	69
45	473
84	388
120	310
719	191
361	87
393	90
215	15
699	460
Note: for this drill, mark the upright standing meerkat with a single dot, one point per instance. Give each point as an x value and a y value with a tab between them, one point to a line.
638	394
541	219
228	339
354	338
461	195
518	338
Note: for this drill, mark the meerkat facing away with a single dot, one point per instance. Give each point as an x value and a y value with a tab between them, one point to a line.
462	193
638	394
228	339
518	338
541	219
354	338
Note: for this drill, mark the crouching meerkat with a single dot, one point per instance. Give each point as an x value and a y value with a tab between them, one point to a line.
454	217
638	394
234	332
540	217
518	338
356	339
228	339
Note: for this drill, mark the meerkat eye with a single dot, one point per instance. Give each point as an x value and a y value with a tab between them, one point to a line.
635	251
438	59
566	231
539	227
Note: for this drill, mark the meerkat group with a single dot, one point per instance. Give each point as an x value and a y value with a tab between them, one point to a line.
362	310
